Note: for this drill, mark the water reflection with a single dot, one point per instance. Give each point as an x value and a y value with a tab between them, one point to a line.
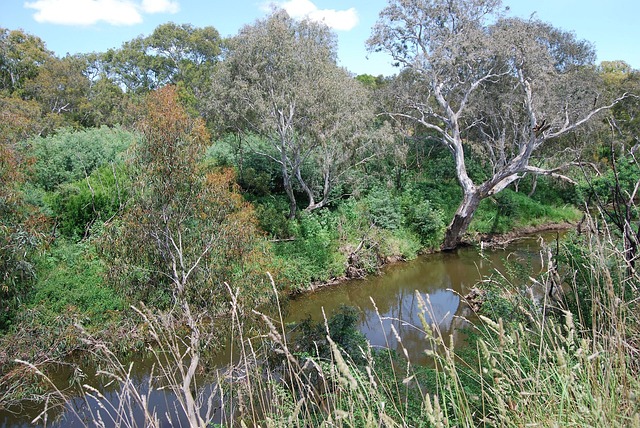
440	279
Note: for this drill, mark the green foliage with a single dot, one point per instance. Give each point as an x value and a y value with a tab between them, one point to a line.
585	294
427	222
370	81
509	210
316	117
271	212
443	195
21	56
498	303
552	192
386	244
384	209
256	175
77	206
585	286
72	279
312	255
406	398
187	230
310	337
22	230
602	189
175	54
69	156
17	247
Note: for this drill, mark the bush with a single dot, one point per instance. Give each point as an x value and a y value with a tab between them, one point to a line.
272	216
427	222
80	204
313	254
71	277
509	209
401	242
383	209
68	155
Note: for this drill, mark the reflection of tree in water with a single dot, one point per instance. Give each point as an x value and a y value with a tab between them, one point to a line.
443	277
404	316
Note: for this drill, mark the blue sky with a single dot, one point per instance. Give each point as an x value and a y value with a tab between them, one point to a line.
73	26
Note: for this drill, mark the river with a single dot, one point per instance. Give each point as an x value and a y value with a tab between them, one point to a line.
441	278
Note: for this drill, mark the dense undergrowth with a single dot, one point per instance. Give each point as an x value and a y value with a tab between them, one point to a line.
161	197
92	205
560	349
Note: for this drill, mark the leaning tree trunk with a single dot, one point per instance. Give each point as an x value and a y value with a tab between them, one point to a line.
461	220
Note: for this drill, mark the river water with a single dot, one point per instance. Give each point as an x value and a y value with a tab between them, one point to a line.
442	279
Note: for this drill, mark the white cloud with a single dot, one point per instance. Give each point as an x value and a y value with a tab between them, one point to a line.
344	20
160	6
88	12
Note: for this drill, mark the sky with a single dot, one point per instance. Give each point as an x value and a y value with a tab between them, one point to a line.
81	26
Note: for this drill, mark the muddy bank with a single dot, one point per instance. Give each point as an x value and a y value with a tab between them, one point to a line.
491	240
486	240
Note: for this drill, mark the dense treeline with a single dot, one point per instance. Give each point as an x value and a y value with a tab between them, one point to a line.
183	166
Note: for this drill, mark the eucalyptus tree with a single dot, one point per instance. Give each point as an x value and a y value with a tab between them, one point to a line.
172	54
62	90
185	229
279	80
504	87
21	56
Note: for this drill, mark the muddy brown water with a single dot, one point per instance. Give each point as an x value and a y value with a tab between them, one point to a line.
388	299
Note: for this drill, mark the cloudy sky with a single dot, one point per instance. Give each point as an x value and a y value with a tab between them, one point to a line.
73	26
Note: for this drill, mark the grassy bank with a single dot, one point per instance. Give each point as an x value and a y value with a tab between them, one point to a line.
75	284
537	356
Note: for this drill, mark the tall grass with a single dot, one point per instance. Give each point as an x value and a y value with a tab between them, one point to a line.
543	366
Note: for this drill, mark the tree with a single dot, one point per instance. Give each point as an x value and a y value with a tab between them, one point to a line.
279	80
21	56
187	230
21	225
501	86
62	91
615	191
172	54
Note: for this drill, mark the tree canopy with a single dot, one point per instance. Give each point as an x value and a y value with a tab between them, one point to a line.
279	79
504	85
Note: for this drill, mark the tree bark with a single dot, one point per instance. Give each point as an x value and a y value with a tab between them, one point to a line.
288	187
461	220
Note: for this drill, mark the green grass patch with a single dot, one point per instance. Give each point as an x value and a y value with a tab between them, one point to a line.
510	210
70	278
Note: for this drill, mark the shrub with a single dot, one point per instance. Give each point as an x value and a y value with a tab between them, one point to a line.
72	277
509	209
427	222
313	254
78	205
68	155
384	209
272	212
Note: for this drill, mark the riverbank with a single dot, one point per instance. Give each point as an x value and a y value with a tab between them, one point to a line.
482	240
545	338
73	291
441	275
490	240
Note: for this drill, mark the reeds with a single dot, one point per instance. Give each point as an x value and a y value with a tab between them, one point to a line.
545	367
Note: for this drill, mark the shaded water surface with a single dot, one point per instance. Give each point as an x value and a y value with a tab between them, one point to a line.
442	279
390	298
